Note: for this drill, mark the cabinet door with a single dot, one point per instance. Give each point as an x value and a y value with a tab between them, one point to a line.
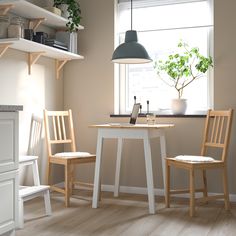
8	201
8	141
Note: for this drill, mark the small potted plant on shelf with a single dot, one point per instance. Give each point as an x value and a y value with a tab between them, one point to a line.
71	10
182	68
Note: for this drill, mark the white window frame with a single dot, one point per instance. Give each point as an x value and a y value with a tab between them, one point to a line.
119	69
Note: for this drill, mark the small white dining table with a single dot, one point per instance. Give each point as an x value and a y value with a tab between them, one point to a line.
121	131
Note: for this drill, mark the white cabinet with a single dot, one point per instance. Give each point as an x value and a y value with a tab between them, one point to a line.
8	201
8	171
8	141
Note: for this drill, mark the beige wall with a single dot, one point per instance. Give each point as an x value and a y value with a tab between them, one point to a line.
88	90
88	87
34	92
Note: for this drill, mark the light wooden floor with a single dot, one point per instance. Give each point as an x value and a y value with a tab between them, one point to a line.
126	215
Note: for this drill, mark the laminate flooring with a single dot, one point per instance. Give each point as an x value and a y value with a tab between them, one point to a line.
125	215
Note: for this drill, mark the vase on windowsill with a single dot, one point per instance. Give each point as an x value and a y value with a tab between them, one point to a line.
178	106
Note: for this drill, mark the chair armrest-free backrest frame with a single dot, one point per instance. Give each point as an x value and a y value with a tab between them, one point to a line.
56	124
217	131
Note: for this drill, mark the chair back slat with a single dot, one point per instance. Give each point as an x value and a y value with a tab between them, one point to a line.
217	131
35	136
54	127
63	127
59	129
213	129
221	127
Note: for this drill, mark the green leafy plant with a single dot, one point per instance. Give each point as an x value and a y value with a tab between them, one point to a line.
183	67
74	13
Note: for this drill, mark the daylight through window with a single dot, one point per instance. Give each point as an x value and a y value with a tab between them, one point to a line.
161	25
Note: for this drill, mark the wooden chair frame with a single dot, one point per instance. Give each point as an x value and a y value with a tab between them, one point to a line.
60	135
216	135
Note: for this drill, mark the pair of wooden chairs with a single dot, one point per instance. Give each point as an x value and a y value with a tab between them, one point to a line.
59	130
216	137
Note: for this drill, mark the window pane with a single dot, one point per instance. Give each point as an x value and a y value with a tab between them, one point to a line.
142	81
160	28
164	17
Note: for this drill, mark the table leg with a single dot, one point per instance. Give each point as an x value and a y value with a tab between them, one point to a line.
163	156
149	174
118	165
97	175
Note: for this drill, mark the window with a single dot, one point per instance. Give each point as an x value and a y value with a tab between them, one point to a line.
161	25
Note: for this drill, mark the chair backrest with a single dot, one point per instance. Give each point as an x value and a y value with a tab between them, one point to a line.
35	136
217	131
33	152
59	129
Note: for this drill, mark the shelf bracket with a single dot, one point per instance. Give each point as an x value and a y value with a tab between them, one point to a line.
4	9
32	58
59	65
4	47
34	23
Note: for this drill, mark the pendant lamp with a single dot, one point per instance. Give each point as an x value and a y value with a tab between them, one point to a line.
130	52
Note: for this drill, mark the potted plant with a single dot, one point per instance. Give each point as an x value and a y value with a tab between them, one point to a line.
183	68
73	11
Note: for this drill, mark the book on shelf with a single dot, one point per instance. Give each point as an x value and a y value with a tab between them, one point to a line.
56	44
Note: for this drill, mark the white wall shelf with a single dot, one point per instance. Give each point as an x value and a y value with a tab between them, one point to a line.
30	11
30	46
36	15
35	50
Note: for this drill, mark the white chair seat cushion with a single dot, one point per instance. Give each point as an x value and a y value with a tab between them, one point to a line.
191	158
26	191
73	154
26	158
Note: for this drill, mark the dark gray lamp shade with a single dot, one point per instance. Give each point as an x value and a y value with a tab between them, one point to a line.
131	52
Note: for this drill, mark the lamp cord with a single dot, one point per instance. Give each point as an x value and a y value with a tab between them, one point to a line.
131	14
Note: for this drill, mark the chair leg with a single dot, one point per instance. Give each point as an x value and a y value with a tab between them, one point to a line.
72	180
192	193
67	185
167	195
226	191
21	214
47	203
49	174
35	170
204	185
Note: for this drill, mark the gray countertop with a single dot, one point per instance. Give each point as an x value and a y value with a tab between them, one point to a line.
11	108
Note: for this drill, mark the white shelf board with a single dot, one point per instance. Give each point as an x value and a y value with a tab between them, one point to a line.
30	11
30	46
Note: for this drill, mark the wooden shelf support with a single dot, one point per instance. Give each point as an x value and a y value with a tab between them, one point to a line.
34	23
4	47
32	58
5	8
59	65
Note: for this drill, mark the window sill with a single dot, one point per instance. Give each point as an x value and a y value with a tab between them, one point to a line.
196	114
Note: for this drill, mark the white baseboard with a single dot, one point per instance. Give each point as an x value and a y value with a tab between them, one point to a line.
159	192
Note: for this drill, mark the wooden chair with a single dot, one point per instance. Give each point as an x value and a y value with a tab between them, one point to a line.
216	136
29	192
59	130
